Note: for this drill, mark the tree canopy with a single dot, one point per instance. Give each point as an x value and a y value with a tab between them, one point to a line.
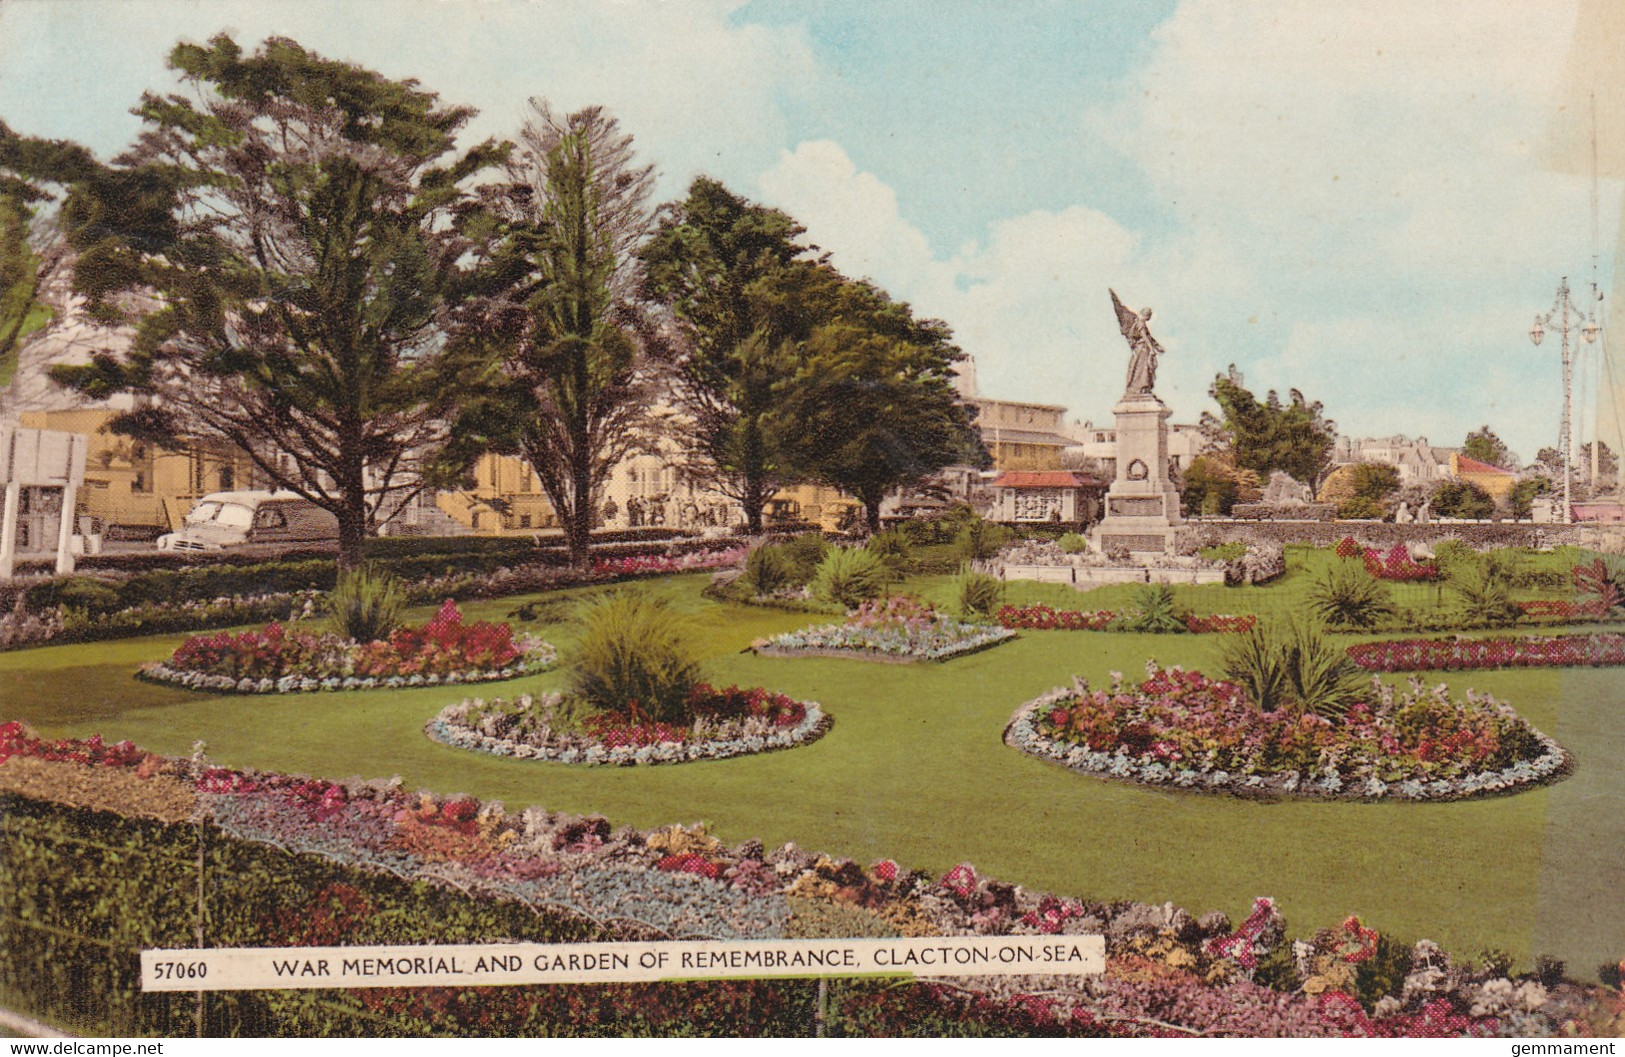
288	235
746	293
1482	444
873	407
558	313
1293	437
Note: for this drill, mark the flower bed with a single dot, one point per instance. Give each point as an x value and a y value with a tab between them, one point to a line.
898	628
1427	655
1562	611
1043	618
1396	565
730	722
1167	972
1182	729
662	564
273	660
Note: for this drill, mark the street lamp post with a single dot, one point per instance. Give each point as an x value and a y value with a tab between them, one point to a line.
1567	316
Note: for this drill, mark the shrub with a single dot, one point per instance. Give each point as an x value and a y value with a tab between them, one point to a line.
770	569
635	656
806	551
1289	665
893	548
1347	548
1072	543
1153	609
981	539
1347	596
1484	594
979	594
1235	550
365	605
850	576
1450	555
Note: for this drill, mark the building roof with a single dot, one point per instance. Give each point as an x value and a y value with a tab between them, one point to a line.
1466	465
1046	479
1004	435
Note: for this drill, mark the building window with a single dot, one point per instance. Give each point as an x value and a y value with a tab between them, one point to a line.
140	482
524	521
227	479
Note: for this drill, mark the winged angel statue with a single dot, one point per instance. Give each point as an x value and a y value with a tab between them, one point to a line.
1142	365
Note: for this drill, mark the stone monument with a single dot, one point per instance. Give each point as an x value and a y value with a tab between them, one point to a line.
1142	506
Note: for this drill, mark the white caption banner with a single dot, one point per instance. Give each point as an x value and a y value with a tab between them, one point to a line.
481	965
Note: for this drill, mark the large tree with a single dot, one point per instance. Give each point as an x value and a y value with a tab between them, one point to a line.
1293	437
559	311
873	406
33	173
1482	444
290	231
746	293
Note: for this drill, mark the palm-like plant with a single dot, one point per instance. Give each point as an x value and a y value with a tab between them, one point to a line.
1347	596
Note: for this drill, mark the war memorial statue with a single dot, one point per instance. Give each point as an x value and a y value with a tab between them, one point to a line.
1142	506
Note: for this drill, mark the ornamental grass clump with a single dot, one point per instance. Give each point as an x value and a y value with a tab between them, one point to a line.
1287	665
1483	592
1346	595
979	595
893	548
365	605
1153	610
635	657
769	570
850	576
981	539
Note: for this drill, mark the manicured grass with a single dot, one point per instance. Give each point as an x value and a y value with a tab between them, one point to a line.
915	769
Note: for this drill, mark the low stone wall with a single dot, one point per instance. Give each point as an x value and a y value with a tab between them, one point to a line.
1386	534
1286	511
1085	577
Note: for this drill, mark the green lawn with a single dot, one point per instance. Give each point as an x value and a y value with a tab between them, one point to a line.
915	769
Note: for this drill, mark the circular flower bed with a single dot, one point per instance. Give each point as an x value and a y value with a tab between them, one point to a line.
276	661
898	628
1182	729
730	722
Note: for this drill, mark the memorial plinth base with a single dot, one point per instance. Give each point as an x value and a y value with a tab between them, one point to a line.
1142	507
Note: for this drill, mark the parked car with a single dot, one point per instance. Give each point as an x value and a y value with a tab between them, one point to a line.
229	520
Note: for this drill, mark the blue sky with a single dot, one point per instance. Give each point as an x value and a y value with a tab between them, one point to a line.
1359	201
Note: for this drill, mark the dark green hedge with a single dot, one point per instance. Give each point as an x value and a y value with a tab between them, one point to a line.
83	892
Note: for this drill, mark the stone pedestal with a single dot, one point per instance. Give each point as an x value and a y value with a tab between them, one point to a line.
1142	506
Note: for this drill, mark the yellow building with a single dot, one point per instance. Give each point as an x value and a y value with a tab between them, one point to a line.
1022	436
505	499
1495	481
135	489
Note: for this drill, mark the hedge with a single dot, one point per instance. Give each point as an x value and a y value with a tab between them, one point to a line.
83	892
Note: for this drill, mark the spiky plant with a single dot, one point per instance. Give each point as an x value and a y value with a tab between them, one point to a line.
635	655
365	605
1288	665
771	568
1347	596
850	576
893	548
1152	609
979	595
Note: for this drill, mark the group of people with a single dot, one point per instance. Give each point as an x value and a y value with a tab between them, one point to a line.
660	511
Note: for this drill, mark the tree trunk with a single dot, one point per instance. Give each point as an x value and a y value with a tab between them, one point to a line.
578	526
871	515
352	488
352	515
